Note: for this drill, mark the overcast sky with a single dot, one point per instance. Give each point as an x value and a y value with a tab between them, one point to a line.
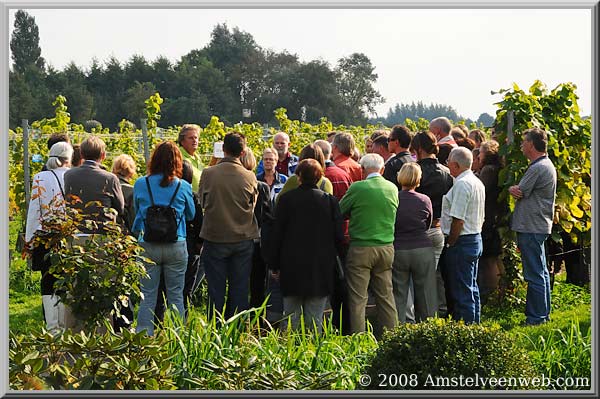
453	57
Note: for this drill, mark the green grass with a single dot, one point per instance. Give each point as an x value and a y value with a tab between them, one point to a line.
25	312
560	347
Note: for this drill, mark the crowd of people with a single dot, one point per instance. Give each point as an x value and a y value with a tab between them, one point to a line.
412	224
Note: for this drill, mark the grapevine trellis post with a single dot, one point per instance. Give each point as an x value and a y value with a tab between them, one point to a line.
26	178
510	124
145	138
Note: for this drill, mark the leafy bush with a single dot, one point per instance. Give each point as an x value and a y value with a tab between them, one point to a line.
44	361
569	148
97	275
424	352
92	125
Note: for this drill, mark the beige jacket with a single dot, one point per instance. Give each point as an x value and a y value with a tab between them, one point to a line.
228	194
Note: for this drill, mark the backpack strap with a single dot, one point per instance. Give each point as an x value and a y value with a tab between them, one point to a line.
59	185
172	198
150	192
322	185
175	193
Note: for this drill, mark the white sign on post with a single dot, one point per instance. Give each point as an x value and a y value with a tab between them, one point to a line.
218	150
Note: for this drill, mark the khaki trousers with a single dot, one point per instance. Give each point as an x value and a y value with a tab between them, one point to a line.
372	265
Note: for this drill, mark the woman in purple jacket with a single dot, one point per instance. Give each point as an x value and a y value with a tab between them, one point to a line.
413	250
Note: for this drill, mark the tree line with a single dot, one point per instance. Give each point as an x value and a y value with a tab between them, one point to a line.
230	74
400	112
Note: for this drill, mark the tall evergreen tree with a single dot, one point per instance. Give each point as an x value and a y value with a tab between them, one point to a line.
25	43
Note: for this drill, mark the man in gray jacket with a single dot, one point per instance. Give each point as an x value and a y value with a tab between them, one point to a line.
532	220
89	182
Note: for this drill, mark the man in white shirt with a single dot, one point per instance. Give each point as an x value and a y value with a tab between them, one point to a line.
462	219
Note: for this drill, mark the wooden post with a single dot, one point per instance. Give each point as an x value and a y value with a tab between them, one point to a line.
145	138
510	124
26	176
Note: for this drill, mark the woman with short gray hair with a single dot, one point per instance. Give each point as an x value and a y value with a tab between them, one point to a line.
47	201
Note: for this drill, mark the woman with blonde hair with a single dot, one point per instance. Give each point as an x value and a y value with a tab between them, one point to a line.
413	250
124	167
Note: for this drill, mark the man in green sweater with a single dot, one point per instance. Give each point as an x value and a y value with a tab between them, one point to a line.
371	206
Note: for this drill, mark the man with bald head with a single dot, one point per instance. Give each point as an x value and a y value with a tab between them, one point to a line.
287	163
463	209
441	127
371	206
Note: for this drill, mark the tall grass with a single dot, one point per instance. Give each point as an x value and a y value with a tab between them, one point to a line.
563	353
244	353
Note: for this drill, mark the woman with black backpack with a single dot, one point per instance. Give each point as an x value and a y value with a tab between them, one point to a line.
163	202
194	273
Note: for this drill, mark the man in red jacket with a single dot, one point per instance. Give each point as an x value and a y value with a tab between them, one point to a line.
341	151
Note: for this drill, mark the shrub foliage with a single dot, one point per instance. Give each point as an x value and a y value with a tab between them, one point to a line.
446	349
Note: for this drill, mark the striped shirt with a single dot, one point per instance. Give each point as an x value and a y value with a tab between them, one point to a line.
340	179
464	201
534	212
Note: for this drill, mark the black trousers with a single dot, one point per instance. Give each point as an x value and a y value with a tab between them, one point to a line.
339	300
258	278
40	262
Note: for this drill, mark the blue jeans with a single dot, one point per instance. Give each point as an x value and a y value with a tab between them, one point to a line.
535	272
227	267
461	262
171	259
